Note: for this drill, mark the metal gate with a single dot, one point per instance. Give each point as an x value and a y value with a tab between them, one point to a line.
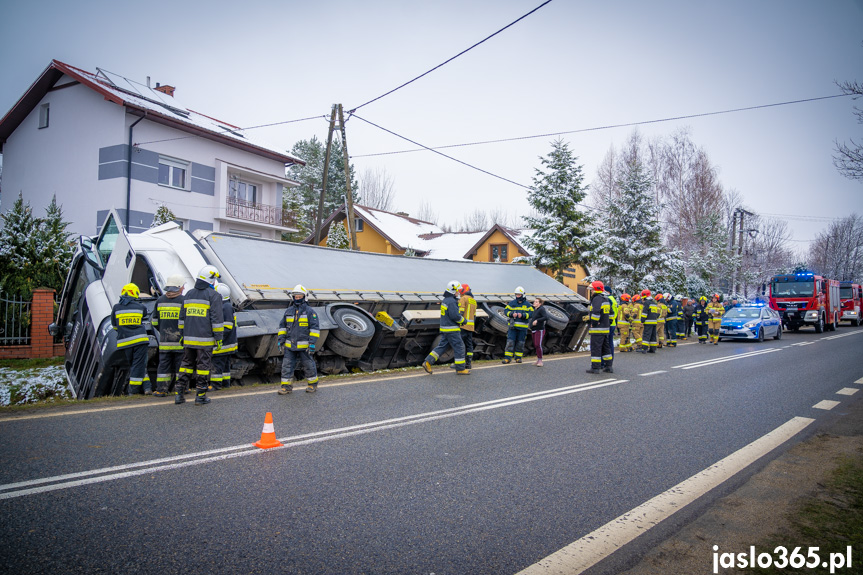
14	321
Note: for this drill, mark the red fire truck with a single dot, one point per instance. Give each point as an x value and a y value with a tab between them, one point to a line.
851	295
806	299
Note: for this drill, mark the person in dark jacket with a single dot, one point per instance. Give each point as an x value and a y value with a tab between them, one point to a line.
221	373
202	324
688	313
537	324
450	326
701	315
518	311
299	331
649	317
600	330
127	318
467	308
166	319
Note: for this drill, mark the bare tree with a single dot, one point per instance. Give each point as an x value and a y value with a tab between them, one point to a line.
426	213
377	189
838	251
475	221
604	188
848	159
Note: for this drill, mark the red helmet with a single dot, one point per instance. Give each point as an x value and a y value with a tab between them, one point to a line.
645	293
597	286
463	289
658	296
625	297
636	297
716	295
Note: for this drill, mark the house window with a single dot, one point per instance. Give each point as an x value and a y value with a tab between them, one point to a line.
499	253
172	173
358	225
44	112
245	191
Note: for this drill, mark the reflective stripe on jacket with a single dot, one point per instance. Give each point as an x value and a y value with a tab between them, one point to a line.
299	327
467	308
201	317
600	314
649	312
166	319
519	305
450	318
127	318
229	335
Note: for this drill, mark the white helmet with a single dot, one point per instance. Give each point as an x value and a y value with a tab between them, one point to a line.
209	274
519	290
224	290
453	286
299	289
666	295
176	281
679	296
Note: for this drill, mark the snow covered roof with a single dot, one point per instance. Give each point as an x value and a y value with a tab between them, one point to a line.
142	100
402	231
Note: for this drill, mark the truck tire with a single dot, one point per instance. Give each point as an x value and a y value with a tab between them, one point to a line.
558	319
447	355
355	329
344	350
497	319
577	311
819	325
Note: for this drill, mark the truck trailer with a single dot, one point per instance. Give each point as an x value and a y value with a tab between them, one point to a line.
376	311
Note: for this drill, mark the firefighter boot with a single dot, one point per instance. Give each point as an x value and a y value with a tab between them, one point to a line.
427	366
180	397
312	388
286	389
607	368
593	370
463	371
201	398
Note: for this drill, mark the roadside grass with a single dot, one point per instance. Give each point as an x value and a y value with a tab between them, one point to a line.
832	520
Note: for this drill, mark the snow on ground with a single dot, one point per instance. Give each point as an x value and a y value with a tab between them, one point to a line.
20	386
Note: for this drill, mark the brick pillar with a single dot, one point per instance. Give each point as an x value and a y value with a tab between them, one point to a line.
41	314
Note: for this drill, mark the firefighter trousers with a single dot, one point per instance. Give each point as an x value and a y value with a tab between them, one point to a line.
467	339
514	343
137	358
671	331
600	350
197	361
169	367
449	339
713	329
649	337
289	365
637	333
623	328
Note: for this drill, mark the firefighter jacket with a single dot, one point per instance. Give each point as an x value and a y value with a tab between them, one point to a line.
229	335
715	310
519	306
614	310
467	308
635	313
624	313
600	314
649	311
663	312
675	311
299	329
127	318
450	318
166	319
201	316
701	312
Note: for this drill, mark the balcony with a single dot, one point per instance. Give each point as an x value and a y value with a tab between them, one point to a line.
259	213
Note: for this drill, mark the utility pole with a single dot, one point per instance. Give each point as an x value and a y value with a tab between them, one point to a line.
349	196
326	172
733	286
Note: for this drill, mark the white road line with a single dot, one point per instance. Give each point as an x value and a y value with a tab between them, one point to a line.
146	467
593	547
826	405
859	380
652	373
802	343
708	362
846	391
842	335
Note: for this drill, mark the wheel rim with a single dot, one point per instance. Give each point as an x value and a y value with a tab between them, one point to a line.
355	323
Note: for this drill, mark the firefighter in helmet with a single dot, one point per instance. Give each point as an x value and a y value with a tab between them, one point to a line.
636	325
660	321
518	311
166	319
203	325
623	315
600	334
715	311
649	317
127	319
467	308
701	317
450	327
221	373
299	331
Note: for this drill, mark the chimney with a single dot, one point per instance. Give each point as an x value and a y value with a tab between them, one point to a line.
166	89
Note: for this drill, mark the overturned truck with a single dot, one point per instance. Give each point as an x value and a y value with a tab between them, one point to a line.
376	311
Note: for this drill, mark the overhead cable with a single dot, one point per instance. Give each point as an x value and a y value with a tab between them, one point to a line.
350	112
608	127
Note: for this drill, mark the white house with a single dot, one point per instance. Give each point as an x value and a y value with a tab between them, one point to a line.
100	141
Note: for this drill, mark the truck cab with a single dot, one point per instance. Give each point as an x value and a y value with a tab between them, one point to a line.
851	295
805	298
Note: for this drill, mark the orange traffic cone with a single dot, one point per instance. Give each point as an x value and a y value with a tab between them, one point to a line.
268	435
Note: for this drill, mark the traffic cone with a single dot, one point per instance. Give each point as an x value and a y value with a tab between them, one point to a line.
268	435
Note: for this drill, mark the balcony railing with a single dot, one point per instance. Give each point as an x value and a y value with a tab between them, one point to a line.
259	213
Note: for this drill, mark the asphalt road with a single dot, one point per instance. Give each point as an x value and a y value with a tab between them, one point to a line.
397	473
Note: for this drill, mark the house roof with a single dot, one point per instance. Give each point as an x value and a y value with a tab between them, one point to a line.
141	100
511	234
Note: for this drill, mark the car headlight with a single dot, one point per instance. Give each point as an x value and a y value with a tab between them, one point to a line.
750	325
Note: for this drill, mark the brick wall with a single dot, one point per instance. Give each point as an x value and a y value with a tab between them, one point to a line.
41	342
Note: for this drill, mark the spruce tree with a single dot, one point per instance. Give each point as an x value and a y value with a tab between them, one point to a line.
18	249
561	226
56	249
163	215
338	236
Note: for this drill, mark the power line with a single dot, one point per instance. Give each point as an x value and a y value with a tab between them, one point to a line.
441	153
350	112
608	127
249	128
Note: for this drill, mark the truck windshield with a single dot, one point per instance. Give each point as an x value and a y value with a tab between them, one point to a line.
793	289
845	293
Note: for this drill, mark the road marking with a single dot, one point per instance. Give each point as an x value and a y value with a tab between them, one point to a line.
842	335
859	380
826	405
708	362
802	343
652	373
144	467
593	547
846	391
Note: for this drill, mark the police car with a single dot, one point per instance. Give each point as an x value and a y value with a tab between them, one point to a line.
751	321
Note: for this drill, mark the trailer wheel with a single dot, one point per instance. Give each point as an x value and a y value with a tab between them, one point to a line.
345	350
355	329
577	311
558	319
497	319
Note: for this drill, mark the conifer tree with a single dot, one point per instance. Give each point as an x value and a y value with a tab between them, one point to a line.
561	224
338	236
57	250
163	215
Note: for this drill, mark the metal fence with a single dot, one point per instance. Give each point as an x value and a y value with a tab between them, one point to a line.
14	321
260	213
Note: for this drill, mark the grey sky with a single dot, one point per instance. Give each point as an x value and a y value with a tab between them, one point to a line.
569	66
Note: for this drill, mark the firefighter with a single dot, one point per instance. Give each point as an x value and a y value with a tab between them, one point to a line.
203	325
299	331
671	322
612	319
660	321
681	322
637	325
623	316
166	319
600	325
450	322
701	319
221	373
127	319
467	308
649	317
715	311
518	311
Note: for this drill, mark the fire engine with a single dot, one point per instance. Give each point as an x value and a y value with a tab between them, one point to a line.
805	298
851	295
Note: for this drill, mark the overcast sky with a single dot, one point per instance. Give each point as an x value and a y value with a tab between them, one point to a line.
569	66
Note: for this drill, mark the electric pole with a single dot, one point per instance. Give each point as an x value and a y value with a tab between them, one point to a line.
326	172
349	198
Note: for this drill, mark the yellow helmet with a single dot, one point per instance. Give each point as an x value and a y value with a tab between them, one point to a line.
131	290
